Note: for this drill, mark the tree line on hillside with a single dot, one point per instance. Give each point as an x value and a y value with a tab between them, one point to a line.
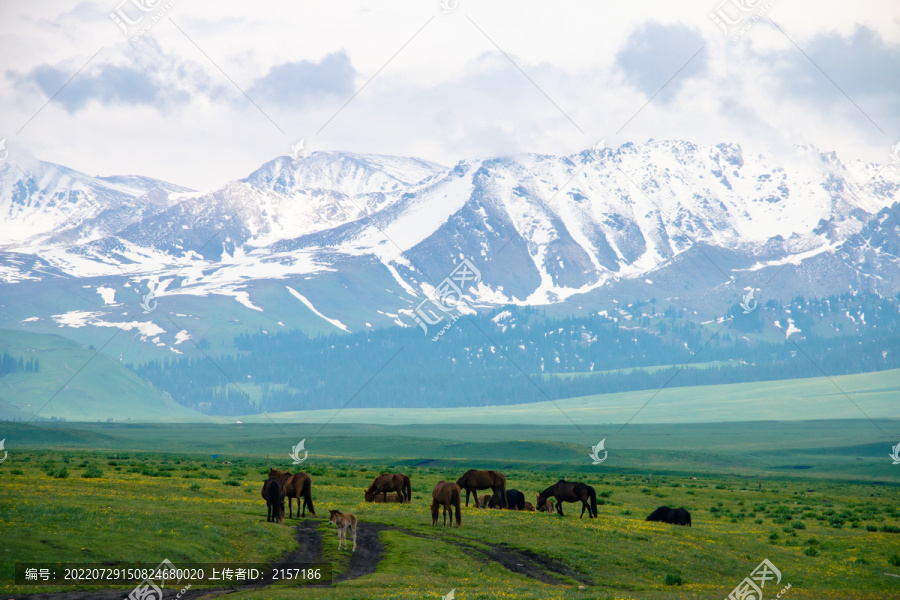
9	364
518	355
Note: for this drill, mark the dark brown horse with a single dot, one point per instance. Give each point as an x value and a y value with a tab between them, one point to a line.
675	516
390	482
475	480
515	500
296	485
273	493
571	491
446	494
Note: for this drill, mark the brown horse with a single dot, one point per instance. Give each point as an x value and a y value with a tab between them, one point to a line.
483	501
296	485
571	491
273	493
446	494
529	507
390	482
546	506
475	480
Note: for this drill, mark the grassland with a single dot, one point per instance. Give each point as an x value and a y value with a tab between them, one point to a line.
851	450
874	395
830	538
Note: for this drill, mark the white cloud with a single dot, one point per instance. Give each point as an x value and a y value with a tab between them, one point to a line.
168	111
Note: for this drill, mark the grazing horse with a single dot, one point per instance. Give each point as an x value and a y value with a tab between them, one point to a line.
515	500
475	480
297	485
343	522
571	491
674	516
390	482
273	494
546	506
446	494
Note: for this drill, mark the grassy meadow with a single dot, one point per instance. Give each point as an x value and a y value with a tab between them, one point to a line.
830	535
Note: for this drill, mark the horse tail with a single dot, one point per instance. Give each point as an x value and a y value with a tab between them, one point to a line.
407	488
307	494
593	495
455	499
503	501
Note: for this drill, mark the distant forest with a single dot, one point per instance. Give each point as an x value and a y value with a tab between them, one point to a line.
10	364
517	355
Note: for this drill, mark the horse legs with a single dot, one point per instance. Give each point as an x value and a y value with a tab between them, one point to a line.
584	506
467	496
291	507
354	538
385	496
559	508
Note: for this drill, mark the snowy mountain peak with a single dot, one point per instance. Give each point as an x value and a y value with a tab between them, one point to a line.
540	228
43	198
346	173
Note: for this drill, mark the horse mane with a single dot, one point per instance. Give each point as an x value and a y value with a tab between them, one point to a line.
278	474
549	491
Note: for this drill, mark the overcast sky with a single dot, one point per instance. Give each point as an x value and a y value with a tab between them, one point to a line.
214	89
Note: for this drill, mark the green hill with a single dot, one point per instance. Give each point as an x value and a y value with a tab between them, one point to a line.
78	384
863	395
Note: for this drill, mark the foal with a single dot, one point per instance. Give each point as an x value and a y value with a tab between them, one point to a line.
343	522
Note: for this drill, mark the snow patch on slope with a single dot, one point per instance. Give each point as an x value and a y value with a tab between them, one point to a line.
310	306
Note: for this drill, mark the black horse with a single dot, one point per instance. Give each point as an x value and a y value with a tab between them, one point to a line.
571	491
674	516
273	494
515	500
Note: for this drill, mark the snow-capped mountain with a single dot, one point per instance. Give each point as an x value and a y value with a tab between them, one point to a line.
41	200
360	240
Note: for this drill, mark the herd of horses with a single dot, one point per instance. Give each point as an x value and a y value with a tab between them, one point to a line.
446	495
